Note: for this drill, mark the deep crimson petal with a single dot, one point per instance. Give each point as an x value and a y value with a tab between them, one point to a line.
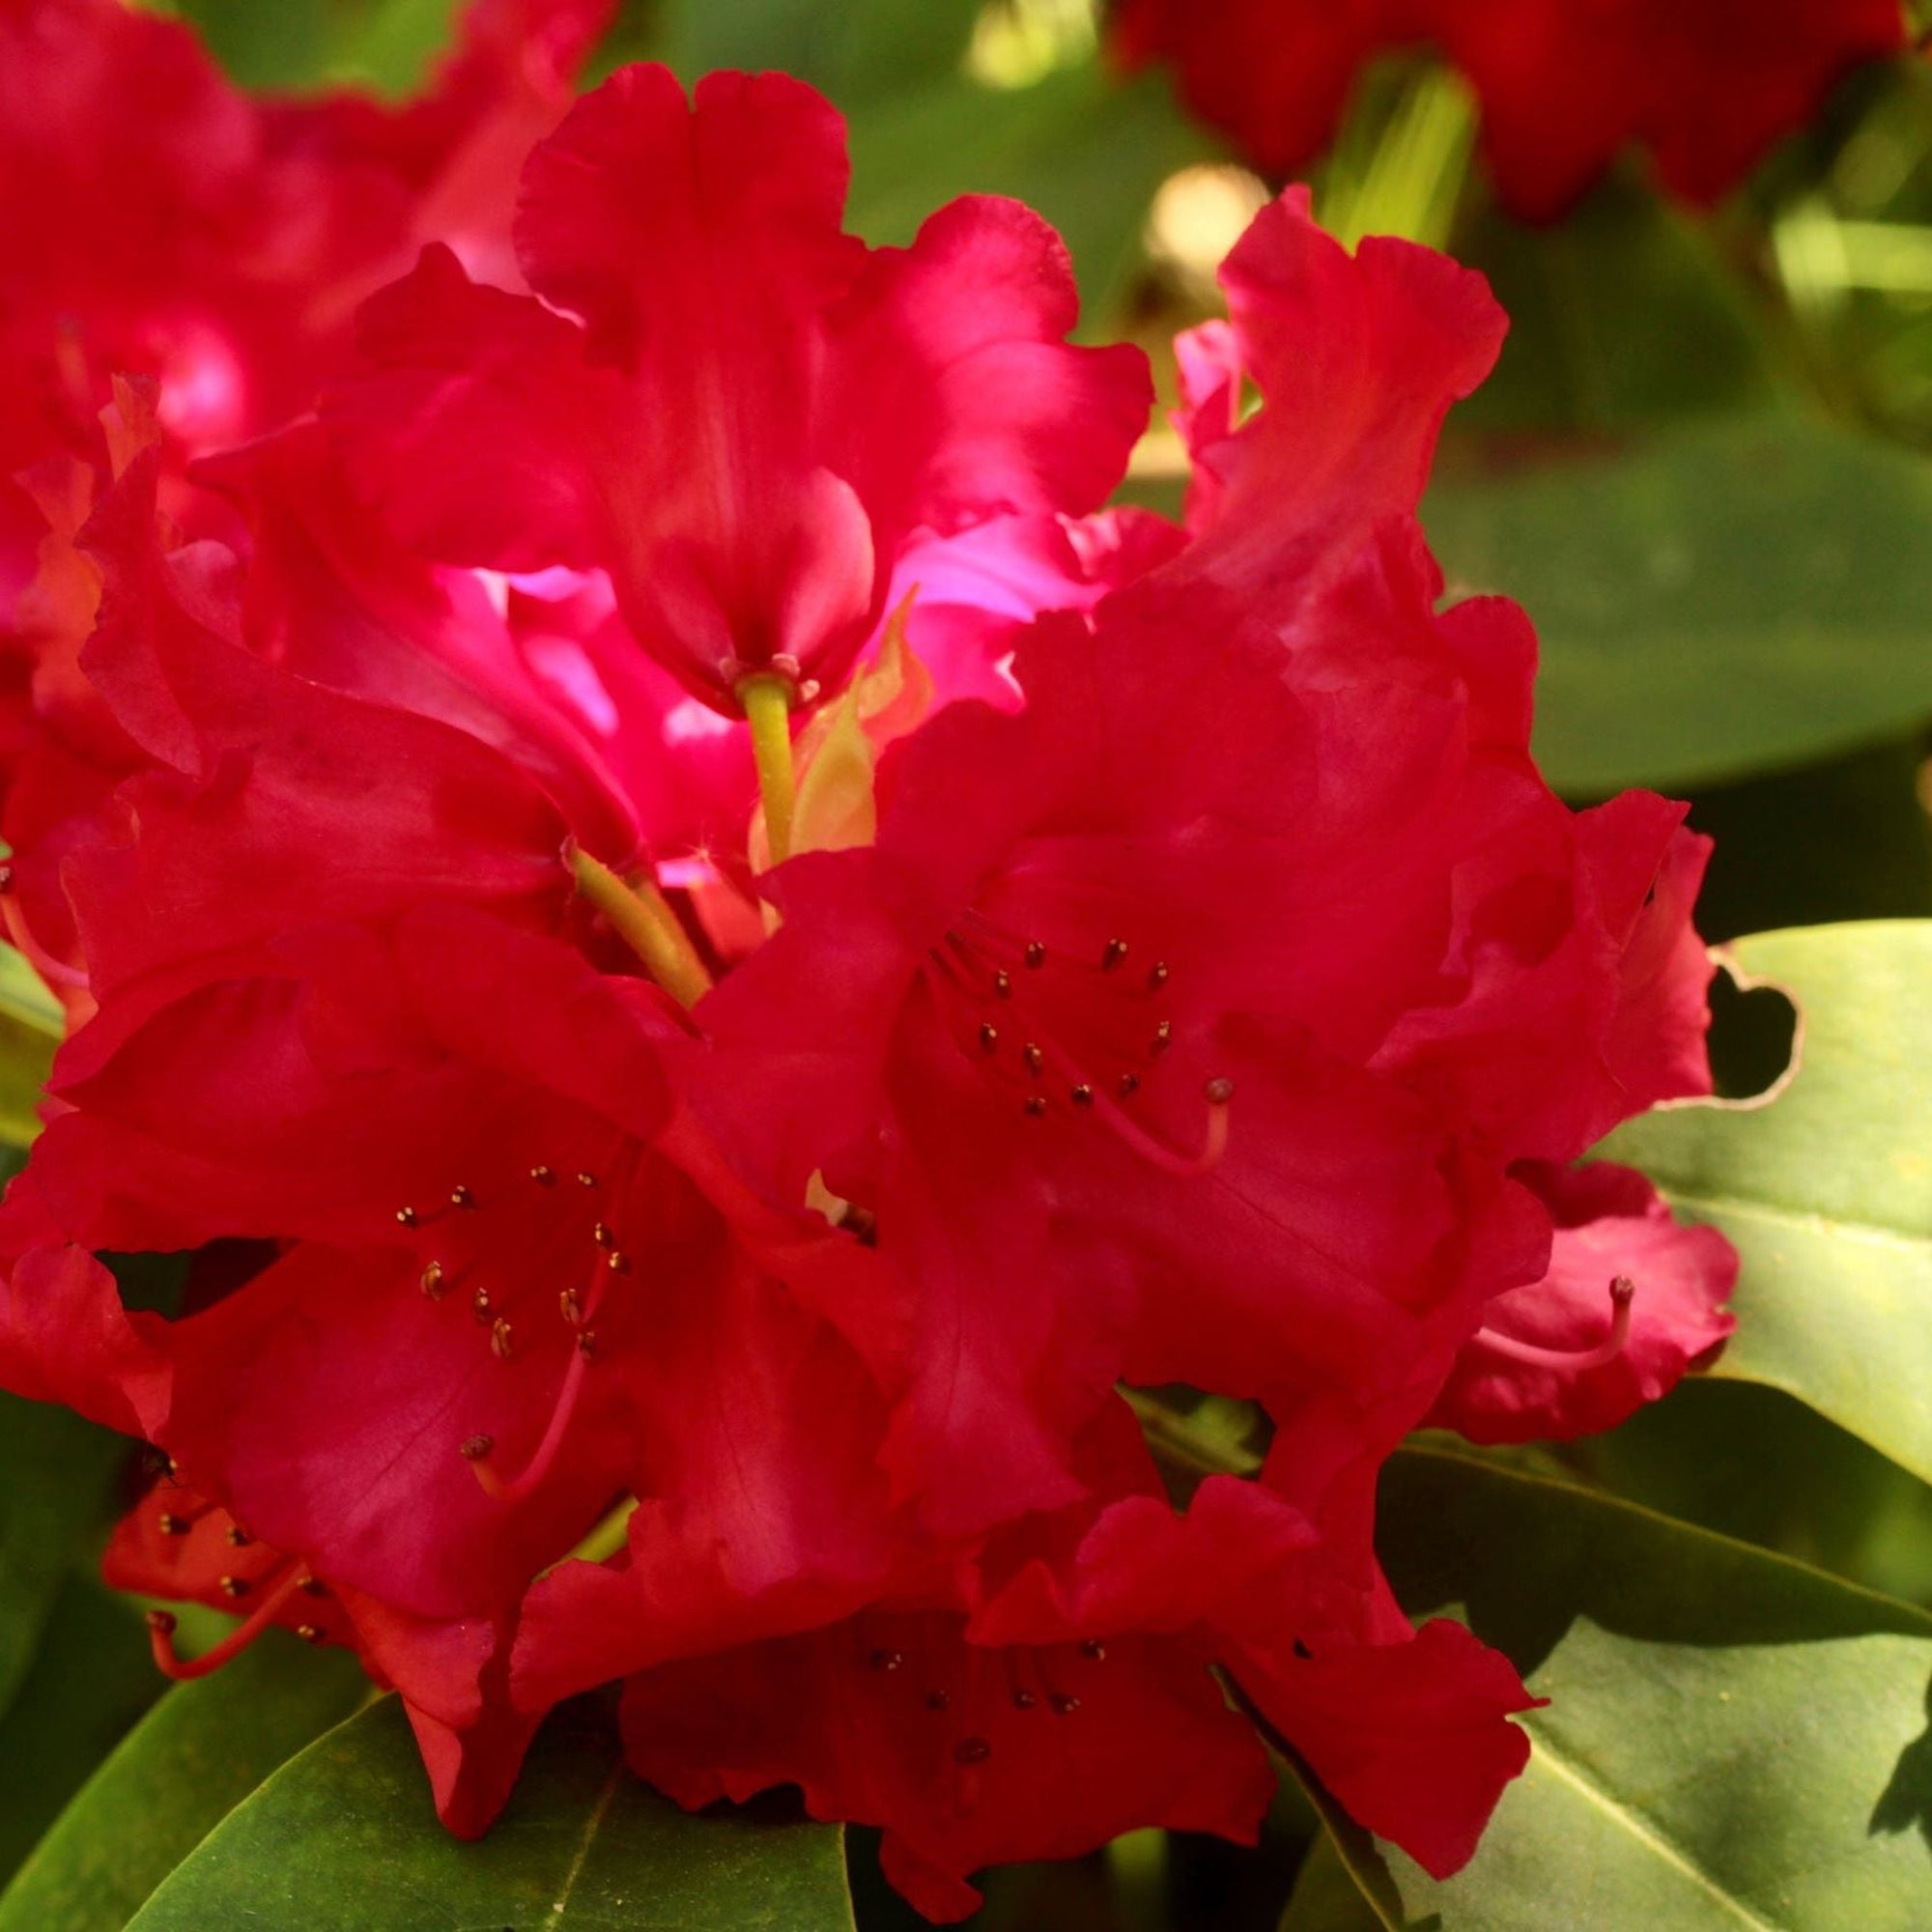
756	415
967	1756
1414	1739
1610	1224
1359	359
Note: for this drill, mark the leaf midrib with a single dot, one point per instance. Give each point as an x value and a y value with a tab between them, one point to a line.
1876	1234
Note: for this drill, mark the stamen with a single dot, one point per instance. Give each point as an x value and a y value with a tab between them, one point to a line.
1036	1105
543	1175
1623	1291
1130	1086
1094	1650
500	1344
405	1217
971	1750
480	1304
161	1632
238	1537
434	1284
1082	1096
587	1180
1157	976
461	1197
1111	955
311	1634
887	1659
514	1489
1163	1038
1036	955
1035	1058
234	1586
603	1237
1003	986
989	1037
938	1700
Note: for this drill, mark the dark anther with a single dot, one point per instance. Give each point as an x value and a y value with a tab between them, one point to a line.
432	1281
1024	1700
233	1586
173	1526
587	1344
1157	975
1035	955
313	1586
1115	952
886	1660
571	1306
1035	1058
617	1263
587	1180
1130	1086
1301	1649
1036	1105
989	1037
407	1217
474	1448
480	1304
238	1537
603	1235
1218	1093
461	1197
1066	1706
1082	1096
1094	1650
938	1700
971	1750
543	1176
161	1621
311	1634
499	1339
1003	986
1163	1037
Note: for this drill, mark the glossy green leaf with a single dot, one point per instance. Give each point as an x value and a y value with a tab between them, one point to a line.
1327	1898
90	1680
342	1839
308	43
202	1749
1828	1190
1740	597
851	49
60	1471
1734	1743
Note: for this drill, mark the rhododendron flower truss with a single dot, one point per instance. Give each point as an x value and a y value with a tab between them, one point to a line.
1706	86
742	412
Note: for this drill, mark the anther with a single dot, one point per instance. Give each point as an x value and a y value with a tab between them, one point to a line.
1035	1058
1566	1360
234	1586
1003	985
311	1634
938	1700
1129	1085
587	1180
1064	1705
433	1283
1163	1037
161	1622
238	1537
617	1261
1218	1093
474	1448
587	1344
313	1586
405	1217
543	1176
1115	951
480	1304
1036	955
886	1660
1157	976
1094	1650
162	1629
971	1750
500	1344
1036	1105
1082	1096
989	1037
572	1305
172	1526
1024	1700
461	1197
603	1235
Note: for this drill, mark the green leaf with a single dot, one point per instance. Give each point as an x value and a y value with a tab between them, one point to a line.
90	1680
1826	1191
1740	597
202	1749
60	1475
296	44
850	49
1327	1898
342	1839
1734	1743
1081	147
32	1025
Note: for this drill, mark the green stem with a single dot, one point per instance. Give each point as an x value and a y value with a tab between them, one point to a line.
767	703
646	925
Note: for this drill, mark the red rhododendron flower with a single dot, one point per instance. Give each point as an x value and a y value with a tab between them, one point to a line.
1631	1301
1705	85
752	416
1209	992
